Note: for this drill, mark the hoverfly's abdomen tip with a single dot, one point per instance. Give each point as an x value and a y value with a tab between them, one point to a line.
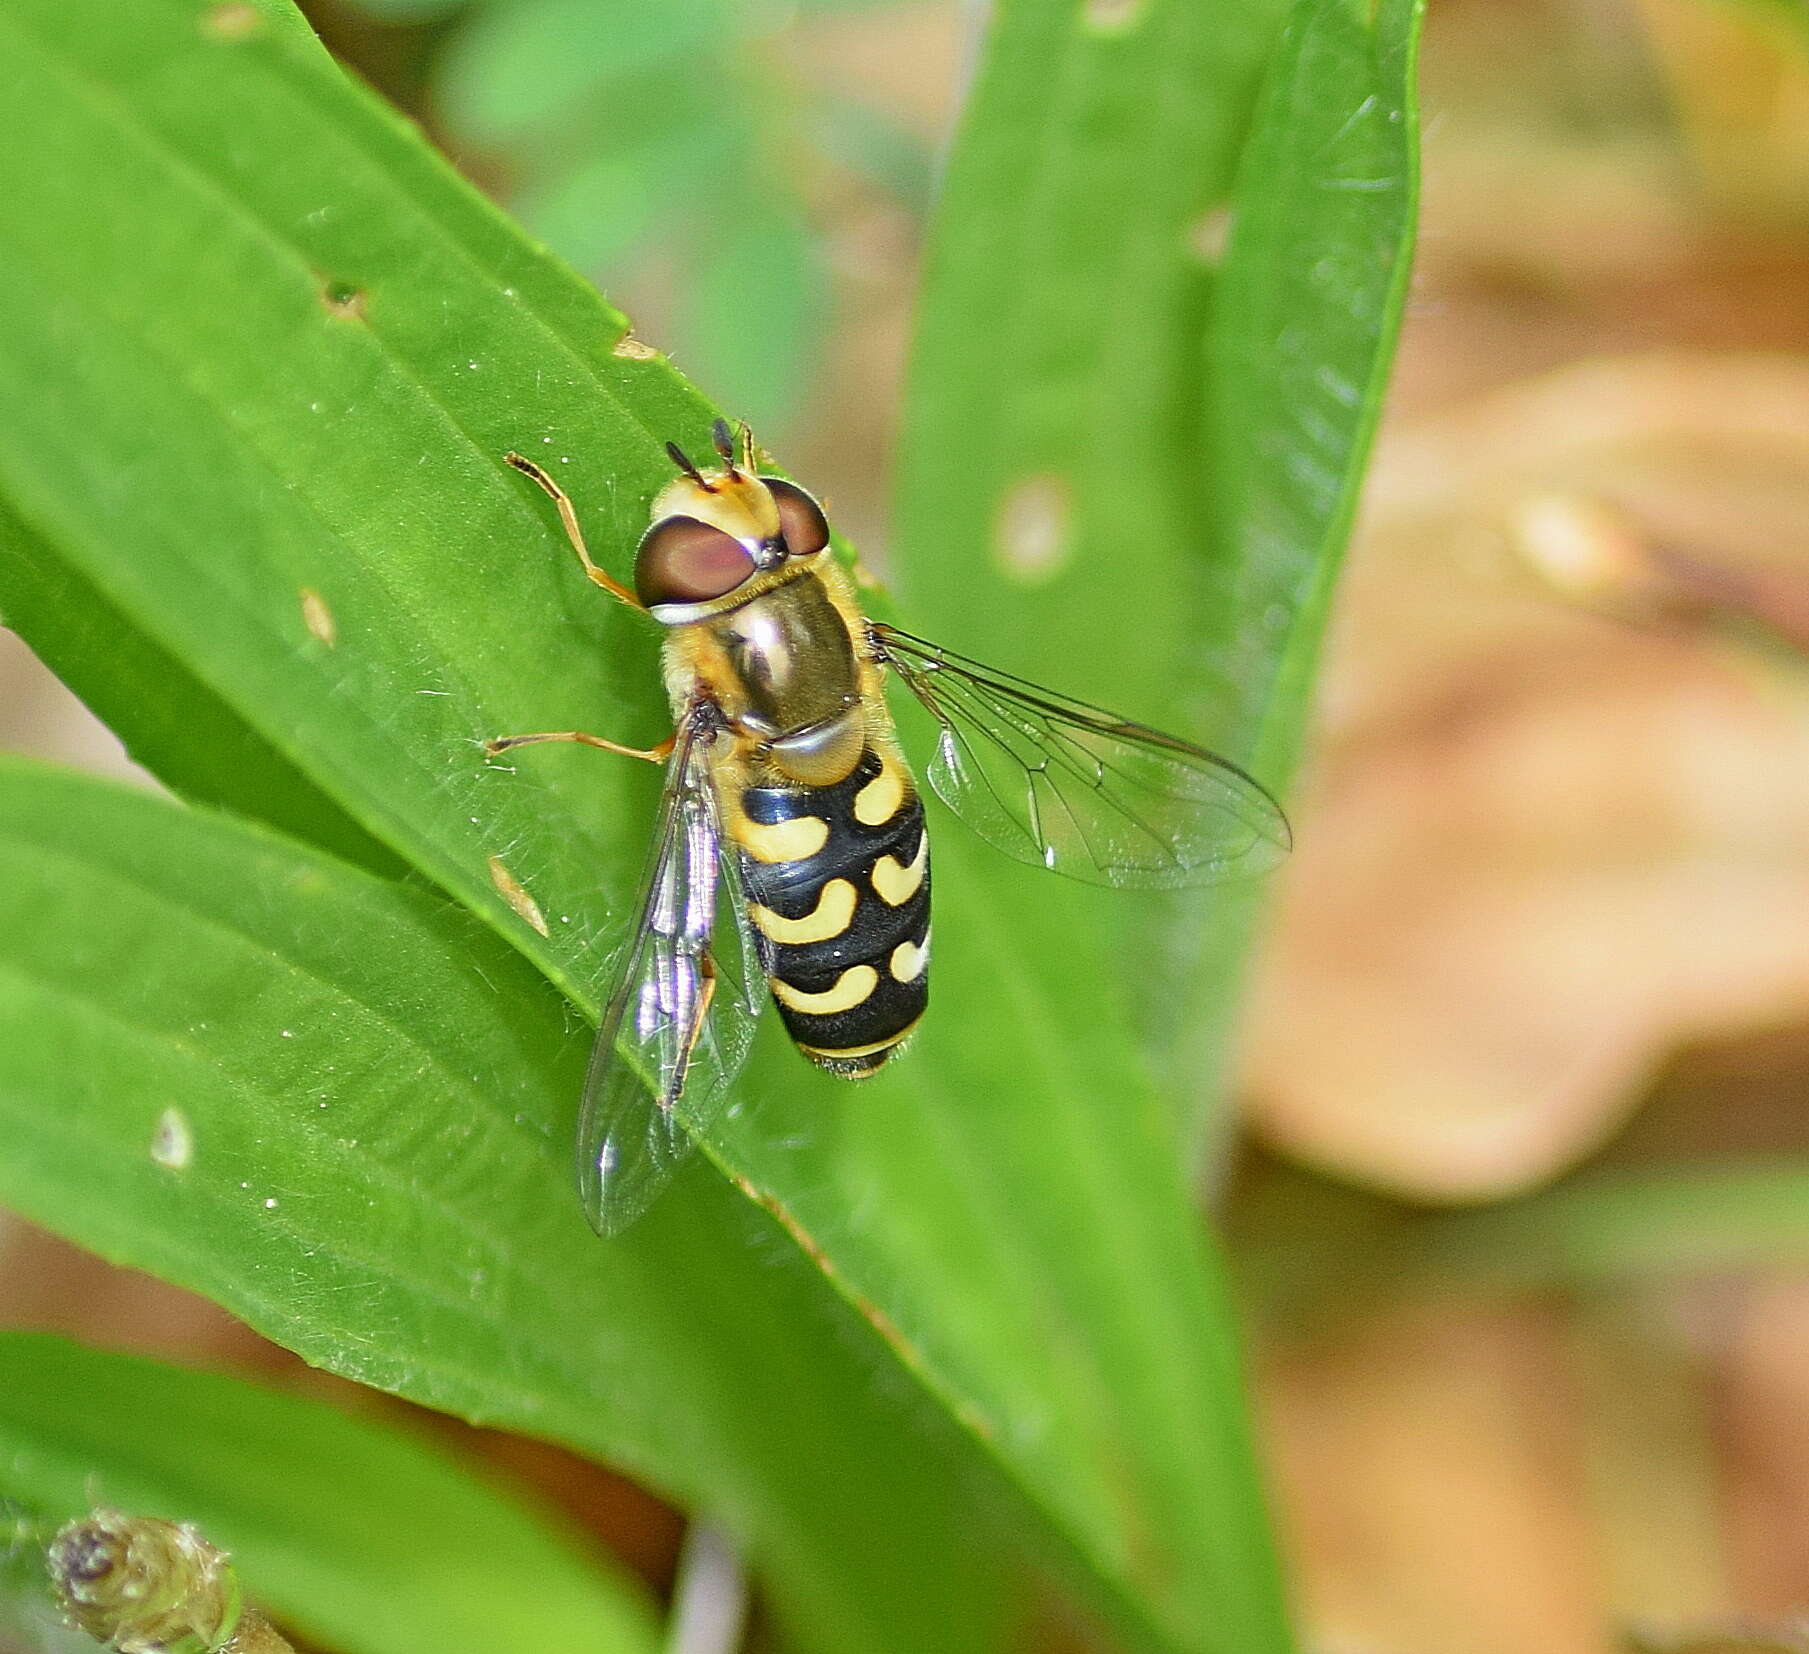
863	1067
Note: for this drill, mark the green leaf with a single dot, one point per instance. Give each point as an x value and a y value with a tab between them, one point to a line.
751	316
344	1529
170	721
1111	413
1058	357
260	342
879	148
408	11
319	403
1067	436
343	1109
519	65
1302	339
1310	305
604	208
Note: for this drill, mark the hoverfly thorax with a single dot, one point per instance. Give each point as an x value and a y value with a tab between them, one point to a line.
721	538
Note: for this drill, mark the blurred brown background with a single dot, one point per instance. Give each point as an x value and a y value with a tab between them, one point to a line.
1548	923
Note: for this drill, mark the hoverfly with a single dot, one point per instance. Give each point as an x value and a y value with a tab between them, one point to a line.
791	852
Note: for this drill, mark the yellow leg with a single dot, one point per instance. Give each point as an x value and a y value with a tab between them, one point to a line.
699	1018
653	755
569	518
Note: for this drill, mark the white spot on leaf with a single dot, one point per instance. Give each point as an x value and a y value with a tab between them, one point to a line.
172	1142
1209	234
1112	16
231	20
1034	534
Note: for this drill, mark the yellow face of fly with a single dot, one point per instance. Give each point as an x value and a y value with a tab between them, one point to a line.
737	502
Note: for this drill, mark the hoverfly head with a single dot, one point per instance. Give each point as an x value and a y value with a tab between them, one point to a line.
713	529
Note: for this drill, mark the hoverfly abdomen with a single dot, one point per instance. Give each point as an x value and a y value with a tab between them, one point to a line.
843	923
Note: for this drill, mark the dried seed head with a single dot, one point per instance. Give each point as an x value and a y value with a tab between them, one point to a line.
144	1586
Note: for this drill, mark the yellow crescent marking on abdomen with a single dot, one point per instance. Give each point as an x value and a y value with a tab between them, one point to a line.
835	907
895	882
885	1044
877	802
795	840
909	959
851	988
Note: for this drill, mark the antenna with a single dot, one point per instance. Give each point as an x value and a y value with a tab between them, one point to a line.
683	461
725	443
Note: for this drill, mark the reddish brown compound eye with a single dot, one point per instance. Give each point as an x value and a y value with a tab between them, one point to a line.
684	561
801	521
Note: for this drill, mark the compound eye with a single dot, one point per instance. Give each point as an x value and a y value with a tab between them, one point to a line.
801	520
681	560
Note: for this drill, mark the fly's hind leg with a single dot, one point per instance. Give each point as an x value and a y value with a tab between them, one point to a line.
569	517
653	755
699	1021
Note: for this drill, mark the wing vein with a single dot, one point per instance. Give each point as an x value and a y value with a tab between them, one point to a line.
1068	785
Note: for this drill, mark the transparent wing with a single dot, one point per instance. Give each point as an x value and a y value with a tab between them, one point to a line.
678	1025
1072	787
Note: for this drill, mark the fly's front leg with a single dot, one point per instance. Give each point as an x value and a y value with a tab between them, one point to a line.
569	517
653	755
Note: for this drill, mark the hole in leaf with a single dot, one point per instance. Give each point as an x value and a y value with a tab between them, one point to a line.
343	298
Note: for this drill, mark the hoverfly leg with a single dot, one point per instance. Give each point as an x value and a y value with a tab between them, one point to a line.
653	755
700	1020
569	517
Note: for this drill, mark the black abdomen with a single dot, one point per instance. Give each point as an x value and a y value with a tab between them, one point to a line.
843	923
